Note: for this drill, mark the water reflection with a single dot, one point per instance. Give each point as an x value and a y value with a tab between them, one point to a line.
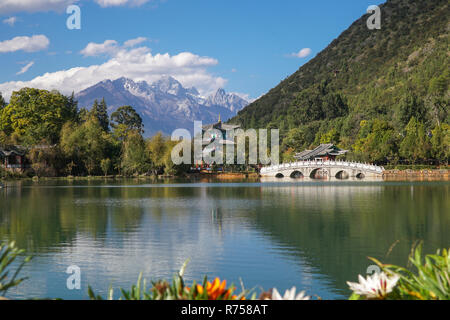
315	235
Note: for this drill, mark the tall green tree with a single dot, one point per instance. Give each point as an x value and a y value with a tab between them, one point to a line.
415	146
440	143
157	147
100	111
2	102
377	142
126	119
85	144
412	106
36	115
134	158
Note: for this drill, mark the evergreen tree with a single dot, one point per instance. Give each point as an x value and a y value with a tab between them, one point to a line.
100	111
134	157
440	143
412	106
416	144
2	102
126	119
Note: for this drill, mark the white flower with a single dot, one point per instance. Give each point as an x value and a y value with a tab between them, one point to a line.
377	286
289	295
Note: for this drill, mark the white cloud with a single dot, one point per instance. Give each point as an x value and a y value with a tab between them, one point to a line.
134	42
7	6
10	21
135	63
25	68
28	44
113	3
95	49
302	53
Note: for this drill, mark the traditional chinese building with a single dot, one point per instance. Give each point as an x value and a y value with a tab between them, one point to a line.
209	135
12	158
324	152
222	127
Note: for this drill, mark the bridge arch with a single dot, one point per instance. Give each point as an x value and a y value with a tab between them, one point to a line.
296	174
342	175
279	175
319	173
360	175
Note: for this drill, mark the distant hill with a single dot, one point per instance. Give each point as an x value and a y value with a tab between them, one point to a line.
370	89
164	105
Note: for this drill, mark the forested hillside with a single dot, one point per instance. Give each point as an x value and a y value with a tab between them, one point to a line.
383	94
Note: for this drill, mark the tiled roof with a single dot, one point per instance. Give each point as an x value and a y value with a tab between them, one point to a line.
320	151
7	151
220	126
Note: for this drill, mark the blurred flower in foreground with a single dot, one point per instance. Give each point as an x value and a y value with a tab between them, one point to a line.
377	286
216	290
288	295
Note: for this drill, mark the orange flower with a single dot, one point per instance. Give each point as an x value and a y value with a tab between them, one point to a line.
216	289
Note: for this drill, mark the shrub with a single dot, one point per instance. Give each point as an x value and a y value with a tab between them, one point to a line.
8	254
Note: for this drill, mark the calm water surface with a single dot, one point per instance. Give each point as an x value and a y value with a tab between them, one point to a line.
314	235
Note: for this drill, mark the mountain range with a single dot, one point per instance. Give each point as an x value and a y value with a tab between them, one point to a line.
164	105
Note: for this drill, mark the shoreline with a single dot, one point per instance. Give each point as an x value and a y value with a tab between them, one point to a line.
443	174
388	175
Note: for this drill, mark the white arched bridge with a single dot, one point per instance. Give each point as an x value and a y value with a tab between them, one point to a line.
323	169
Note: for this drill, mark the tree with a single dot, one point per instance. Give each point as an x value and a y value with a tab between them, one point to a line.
46	160
318	103
36	115
412	106
126	119
295	140
134	159
415	145
100	111
440	143
105	164
85	144
2	102
331	136
157	148
439	85
377	142
169	166
72	105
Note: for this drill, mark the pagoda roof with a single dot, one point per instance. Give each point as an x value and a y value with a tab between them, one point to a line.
6	151
220	126
321	151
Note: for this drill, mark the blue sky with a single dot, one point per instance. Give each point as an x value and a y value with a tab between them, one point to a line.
244	46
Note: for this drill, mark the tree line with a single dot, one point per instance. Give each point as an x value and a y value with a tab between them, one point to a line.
62	139
416	132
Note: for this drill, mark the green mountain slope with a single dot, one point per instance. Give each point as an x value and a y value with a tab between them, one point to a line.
383	94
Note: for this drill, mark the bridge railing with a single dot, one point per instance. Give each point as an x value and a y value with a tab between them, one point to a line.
315	164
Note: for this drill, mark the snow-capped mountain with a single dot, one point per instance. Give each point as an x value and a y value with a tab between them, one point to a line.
232	102
164	105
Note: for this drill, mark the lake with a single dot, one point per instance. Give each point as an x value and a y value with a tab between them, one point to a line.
314	235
